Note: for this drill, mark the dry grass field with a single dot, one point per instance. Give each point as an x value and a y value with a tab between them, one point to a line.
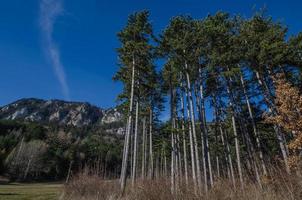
91	187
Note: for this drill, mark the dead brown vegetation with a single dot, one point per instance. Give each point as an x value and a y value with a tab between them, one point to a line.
280	186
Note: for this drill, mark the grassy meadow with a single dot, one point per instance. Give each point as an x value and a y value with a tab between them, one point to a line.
29	191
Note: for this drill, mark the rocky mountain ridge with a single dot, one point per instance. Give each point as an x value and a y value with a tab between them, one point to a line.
59	112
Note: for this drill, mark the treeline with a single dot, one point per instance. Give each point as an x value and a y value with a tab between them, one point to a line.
223	64
31	151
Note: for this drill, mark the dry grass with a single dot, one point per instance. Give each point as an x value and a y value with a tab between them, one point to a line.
84	186
91	187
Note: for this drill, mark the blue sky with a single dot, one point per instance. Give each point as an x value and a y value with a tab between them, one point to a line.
43	51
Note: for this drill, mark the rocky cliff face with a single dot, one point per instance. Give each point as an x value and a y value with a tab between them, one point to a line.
59	112
111	116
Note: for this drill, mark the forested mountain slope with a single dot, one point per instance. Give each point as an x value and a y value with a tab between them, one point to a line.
52	139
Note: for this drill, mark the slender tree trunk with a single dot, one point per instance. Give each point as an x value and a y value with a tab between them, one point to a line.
216	153
165	165
191	108
272	109
132	148
172	162
151	164
27	167
135	144
193	163
157	167
124	150
162	160
179	157
20	148
69	171
237	151
16	160
127	136
204	121
217	166
105	165
203	145
237	147
226	160
173	150
229	158
184	137
256	134
251	152
218	123
144	149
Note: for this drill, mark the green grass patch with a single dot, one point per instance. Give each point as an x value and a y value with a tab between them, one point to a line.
29	191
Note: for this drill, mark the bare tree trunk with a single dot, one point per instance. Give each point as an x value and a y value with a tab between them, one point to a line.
151	164
191	108
203	144
192	147
237	151
19	151
157	167
216	154
144	149
172	160
20	148
229	157
127	136
206	137
69	171
224	140
173	150
27	167
184	137
105	165
218	122
226	160
162	155
217	166
251	152
205	132
165	165
217	157
237	148
256	134
278	133
135	145
179	157
124	150
131	148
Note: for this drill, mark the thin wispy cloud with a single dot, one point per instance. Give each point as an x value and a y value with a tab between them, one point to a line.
50	10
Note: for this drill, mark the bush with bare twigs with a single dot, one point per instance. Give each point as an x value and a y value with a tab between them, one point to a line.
279	186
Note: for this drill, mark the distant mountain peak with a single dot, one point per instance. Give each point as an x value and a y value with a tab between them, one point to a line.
60	112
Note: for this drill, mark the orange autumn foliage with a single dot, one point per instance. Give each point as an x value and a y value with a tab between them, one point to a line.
289	116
